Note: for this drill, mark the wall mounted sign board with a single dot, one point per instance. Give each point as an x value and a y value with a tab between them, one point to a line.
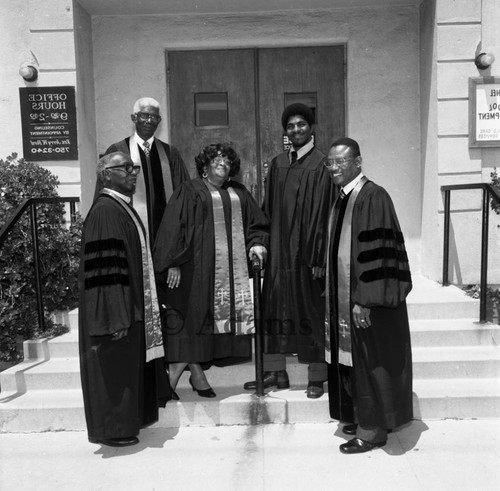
48	118
484	115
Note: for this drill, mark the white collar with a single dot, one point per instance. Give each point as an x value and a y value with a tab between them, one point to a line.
351	185
116	194
303	150
139	140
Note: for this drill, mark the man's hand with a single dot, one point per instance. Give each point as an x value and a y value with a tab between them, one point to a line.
361	316
173	277
260	251
119	334
318	272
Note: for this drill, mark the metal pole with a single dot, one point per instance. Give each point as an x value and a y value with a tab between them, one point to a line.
36	261
259	360
446	241
484	257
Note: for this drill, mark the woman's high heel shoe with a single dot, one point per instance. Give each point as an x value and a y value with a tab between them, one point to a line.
203	392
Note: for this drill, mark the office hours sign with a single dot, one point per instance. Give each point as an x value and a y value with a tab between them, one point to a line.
48	117
484	120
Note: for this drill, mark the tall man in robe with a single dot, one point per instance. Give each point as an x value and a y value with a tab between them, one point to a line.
162	167
367	333
119	320
297	200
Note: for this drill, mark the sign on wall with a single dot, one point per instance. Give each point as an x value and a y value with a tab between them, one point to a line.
484	120
48	117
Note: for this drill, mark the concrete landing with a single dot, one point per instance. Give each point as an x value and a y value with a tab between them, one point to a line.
461	455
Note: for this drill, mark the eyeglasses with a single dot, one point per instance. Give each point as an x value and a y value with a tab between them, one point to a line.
156	118
342	163
220	160
128	168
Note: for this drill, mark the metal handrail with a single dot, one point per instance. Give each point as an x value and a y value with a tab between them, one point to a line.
488	192
9	225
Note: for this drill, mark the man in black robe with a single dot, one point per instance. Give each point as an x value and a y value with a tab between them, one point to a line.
119	319
162	167
367	333
297	200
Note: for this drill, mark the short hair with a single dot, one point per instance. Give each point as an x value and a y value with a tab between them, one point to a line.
211	151
297	109
350	143
104	161
145	101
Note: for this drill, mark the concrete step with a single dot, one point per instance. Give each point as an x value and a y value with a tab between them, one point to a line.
58	410
453	332
430	300
456	398
456	362
61	373
428	363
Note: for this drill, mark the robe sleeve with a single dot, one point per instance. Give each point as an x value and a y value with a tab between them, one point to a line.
379	260
173	240
315	222
178	168
106	272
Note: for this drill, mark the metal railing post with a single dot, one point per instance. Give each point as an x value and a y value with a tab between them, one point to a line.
484	257
446	241
36	261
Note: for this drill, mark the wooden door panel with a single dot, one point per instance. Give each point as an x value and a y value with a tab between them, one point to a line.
318	70
214	71
301	70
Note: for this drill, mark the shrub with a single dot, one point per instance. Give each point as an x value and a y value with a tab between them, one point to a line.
495	182
59	256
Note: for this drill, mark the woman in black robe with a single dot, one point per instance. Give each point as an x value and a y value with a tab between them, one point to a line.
211	228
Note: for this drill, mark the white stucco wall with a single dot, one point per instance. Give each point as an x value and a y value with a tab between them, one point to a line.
87	146
382	81
14	50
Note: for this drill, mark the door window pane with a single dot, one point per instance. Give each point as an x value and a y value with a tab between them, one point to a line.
306	98
211	109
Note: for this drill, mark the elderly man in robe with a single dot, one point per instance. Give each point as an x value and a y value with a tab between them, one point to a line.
367	333
162	167
119	318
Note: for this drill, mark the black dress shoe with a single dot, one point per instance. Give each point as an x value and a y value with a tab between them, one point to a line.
315	390
202	392
356	445
124	441
278	379
350	429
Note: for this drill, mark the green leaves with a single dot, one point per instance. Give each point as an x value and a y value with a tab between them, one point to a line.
59	247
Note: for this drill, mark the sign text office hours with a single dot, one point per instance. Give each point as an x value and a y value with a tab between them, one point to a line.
48	116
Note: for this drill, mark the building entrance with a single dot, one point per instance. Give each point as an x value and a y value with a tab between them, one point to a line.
238	95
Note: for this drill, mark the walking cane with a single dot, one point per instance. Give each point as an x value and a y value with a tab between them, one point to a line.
259	362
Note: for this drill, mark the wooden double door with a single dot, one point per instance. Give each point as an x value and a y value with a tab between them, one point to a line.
238	96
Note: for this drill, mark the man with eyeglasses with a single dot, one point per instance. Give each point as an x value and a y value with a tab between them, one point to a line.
162	166
120	335
368	347
297	200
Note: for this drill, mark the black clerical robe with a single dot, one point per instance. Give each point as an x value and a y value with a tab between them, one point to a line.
186	239
121	391
157	199
377	390
297	200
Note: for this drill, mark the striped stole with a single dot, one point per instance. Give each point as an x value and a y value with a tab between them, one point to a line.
152	326
343	272
233	305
